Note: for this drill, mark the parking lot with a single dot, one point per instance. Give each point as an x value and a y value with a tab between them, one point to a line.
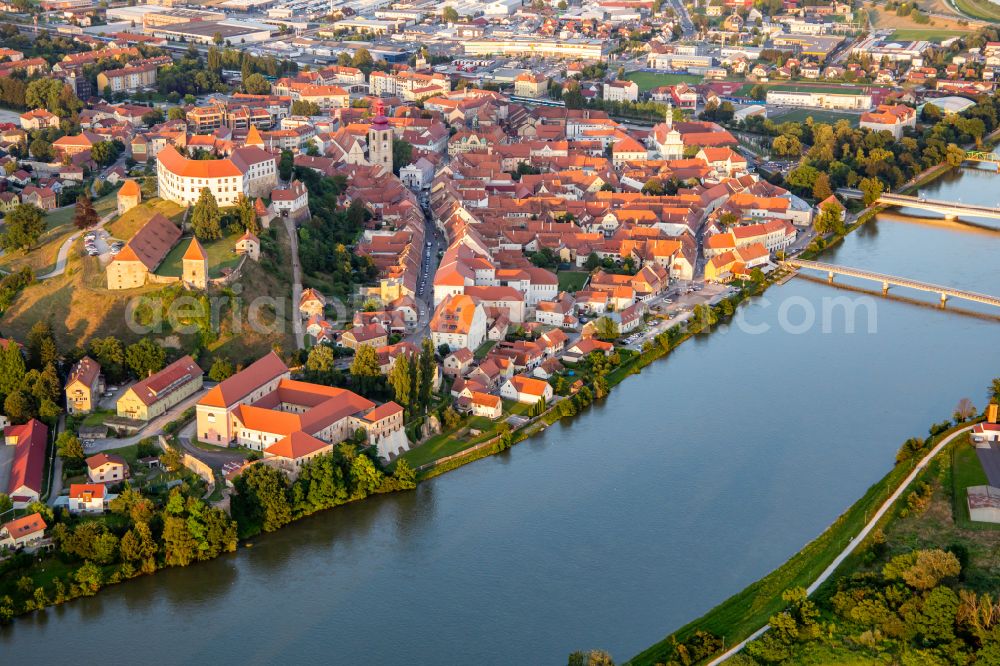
98	243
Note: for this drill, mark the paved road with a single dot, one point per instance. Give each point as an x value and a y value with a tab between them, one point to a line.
67	245
214	459
854	542
293	240
154	427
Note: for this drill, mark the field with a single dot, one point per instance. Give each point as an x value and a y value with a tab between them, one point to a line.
818	115
882	20
649	80
929	35
980	9
87	309
572	280
58	227
221	255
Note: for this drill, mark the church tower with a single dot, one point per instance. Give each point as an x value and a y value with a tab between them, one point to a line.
380	139
672	147
194	264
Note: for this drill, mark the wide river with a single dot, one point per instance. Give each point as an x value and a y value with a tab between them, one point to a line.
690	481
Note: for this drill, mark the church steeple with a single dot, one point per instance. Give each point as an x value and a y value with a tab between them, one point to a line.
670	115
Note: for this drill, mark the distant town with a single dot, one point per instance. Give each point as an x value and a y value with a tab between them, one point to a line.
267	257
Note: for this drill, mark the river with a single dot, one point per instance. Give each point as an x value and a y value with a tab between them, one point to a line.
690	481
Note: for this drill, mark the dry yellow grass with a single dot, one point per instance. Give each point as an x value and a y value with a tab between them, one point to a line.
79	307
882	19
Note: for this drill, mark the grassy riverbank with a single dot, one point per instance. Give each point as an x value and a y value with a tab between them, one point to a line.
748	610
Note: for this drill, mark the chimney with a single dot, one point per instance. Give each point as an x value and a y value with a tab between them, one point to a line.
991	412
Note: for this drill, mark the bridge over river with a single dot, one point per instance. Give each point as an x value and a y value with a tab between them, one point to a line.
892	281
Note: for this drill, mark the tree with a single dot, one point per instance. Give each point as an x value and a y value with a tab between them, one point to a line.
362	59
285	165
256	84
302	107
51	94
19	407
41	149
872	189
402	154
261	499
365	366
175	113
994	390
152	117
246	215
401	380
70	449
964	410
205	217
922	569
110	353
104	152
450	14
85	216
606	328
829	220
321	364
428	370
821	188
221	369
145	357
653	187
171	459
23	226
6	504
562	5
137	545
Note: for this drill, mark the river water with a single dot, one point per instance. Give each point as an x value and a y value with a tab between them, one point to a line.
690	481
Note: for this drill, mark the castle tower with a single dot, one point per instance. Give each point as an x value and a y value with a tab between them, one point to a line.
380	139
195	266
254	138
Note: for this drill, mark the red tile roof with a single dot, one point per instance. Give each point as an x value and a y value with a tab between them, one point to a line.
157	386
29	456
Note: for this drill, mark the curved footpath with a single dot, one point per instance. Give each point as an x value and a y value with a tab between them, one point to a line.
837	561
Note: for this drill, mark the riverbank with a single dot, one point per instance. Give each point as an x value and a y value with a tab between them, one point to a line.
742	616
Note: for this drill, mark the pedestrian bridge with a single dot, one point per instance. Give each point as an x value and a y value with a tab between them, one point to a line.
888	281
949	209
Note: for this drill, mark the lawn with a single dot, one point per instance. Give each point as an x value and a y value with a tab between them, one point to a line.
649	80
484	349
818	115
930	34
221	255
129	223
572	280
966	470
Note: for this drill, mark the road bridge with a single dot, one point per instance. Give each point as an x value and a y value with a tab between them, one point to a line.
888	281
950	209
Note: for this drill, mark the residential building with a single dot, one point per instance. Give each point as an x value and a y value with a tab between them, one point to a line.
22	532
84	386
38	119
128	79
459	321
87	498
106	468
527	390
621	91
154	395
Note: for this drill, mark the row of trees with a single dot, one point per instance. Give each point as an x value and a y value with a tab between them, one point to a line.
266	500
834	156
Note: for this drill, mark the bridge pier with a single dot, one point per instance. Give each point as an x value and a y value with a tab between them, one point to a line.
944	299
885	288
829	277
950	217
